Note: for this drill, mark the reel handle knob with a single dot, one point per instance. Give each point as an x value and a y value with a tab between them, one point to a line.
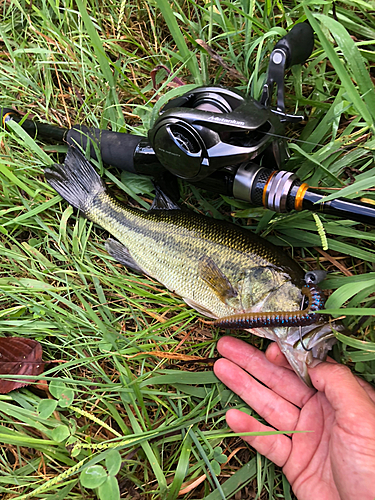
298	44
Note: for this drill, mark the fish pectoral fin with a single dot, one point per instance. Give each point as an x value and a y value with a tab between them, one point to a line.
162	201
212	275
119	252
199	308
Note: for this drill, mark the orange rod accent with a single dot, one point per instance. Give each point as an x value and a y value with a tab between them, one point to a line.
265	188
300	195
5	116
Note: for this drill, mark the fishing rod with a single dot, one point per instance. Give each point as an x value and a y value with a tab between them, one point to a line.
218	139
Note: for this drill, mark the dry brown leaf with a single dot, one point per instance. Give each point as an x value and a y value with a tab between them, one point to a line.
19	356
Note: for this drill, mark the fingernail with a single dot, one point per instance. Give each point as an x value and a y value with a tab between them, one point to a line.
315	362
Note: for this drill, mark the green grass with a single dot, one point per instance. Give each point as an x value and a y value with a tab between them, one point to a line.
117	394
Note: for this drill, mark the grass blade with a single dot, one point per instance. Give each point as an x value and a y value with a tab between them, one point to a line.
182	468
113	105
341	71
187	56
354	60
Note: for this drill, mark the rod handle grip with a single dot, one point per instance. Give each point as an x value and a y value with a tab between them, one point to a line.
116	148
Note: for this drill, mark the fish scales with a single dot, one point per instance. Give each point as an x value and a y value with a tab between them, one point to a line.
168	245
218	268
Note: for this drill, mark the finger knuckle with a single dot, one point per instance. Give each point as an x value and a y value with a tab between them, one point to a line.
268	412
272	448
340	371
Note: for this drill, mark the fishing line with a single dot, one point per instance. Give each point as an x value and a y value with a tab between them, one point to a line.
300	328
339	147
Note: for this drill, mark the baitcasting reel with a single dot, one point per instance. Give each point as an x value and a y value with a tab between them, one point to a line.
211	127
219	139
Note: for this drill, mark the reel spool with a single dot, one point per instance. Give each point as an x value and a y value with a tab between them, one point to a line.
212	127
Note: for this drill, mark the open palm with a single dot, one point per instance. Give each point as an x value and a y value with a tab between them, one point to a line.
336	459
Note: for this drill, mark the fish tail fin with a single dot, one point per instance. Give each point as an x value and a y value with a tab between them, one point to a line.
75	180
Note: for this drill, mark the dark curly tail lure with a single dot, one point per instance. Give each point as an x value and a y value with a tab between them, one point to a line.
304	317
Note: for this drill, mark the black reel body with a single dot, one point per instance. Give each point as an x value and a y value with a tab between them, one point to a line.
213	127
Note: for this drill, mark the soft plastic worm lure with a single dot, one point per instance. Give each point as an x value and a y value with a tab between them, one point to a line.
306	316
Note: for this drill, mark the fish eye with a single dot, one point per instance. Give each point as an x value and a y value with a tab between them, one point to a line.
315	277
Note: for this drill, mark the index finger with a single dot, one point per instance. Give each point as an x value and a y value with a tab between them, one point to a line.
275	356
281	380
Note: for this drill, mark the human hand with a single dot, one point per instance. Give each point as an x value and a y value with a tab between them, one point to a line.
336	461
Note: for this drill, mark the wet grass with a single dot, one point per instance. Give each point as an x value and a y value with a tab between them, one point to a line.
132	382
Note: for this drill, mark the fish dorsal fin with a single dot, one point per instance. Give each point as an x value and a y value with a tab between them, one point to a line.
162	201
212	275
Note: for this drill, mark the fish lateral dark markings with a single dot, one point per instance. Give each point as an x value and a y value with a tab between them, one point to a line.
218	268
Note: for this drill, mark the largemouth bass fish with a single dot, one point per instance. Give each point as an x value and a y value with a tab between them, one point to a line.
221	270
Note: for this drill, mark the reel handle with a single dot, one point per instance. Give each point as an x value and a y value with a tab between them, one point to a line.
293	48
298	44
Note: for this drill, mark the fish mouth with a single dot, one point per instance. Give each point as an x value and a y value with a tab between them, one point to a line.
317	340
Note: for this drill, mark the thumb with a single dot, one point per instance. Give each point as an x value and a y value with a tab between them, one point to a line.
340	386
